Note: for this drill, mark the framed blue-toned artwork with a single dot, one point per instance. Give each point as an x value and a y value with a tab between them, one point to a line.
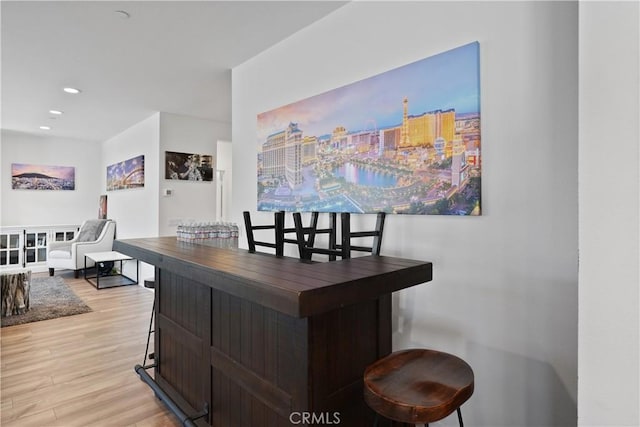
406	141
126	174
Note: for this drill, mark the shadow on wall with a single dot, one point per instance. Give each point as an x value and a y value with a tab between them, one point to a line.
511	390
514	390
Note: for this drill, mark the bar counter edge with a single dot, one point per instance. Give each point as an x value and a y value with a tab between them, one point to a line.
285	284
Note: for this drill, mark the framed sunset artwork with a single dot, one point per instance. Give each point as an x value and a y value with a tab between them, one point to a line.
25	176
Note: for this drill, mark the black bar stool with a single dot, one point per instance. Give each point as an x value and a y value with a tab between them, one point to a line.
348	235
309	233
278	230
306	237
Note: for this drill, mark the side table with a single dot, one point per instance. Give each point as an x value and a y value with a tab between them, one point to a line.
110	280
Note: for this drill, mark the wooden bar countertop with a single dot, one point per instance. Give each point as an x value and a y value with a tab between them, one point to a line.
285	284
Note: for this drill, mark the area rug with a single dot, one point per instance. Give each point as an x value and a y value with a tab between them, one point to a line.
50	298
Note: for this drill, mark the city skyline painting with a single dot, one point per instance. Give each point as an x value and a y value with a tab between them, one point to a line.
406	141
42	177
126	174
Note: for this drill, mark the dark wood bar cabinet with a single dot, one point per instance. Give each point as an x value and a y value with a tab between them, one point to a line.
246	339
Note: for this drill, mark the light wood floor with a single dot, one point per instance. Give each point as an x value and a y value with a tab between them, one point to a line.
78	370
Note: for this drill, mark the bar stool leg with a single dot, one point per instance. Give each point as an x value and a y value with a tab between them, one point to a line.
460	417
151	331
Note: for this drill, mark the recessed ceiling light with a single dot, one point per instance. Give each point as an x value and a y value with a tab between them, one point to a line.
45	127
55	112
71	90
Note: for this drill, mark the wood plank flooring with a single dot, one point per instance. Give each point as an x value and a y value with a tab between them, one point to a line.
78	370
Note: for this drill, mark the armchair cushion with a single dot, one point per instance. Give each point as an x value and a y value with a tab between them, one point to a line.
91	230
61	253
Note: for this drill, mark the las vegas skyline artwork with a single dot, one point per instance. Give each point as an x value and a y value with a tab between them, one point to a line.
406	141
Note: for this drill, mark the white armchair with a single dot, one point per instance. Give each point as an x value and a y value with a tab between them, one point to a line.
95	235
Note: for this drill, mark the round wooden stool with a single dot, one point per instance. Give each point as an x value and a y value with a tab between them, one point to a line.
418	386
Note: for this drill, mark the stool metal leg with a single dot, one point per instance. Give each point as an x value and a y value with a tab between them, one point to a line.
460	418
151	331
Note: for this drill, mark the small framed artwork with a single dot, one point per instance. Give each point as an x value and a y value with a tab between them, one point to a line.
40	177
102	208
188	166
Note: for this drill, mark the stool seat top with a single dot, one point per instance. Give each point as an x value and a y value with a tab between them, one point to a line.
418	385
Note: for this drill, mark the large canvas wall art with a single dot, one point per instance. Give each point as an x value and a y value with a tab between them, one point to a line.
40	177
126	174
406	141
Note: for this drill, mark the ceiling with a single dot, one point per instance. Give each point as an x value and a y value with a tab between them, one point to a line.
173	57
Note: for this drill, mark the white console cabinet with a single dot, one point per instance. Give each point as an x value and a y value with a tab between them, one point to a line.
26	246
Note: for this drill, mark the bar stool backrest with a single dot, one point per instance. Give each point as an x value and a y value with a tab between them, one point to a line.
348	235
278	232
306	237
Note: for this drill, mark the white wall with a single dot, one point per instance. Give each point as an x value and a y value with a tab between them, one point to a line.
609	356
135	210
146	212
190	201
504	294
26	207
